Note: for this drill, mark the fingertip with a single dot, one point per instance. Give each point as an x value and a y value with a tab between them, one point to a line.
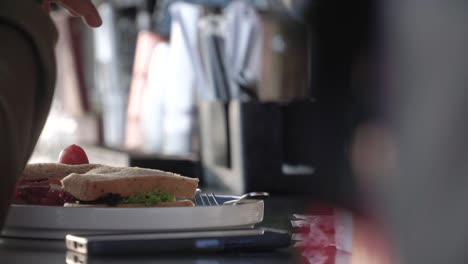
93	20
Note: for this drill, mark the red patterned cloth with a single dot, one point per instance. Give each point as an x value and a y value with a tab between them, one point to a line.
329	235
324	236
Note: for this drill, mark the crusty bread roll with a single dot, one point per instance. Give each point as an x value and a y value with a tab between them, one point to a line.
38	171
126	181
180	203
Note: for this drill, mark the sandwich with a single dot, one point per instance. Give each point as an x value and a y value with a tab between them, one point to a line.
95	185
129	187
40	183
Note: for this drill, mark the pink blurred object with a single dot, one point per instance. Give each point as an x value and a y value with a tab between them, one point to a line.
324	236
329	235
146	42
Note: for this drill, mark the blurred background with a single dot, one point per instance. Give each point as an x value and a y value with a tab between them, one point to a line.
245	95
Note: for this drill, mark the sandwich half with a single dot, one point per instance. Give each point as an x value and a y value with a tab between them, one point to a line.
129	187
40	183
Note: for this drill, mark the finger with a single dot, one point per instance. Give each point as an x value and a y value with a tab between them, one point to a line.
83	8
73	13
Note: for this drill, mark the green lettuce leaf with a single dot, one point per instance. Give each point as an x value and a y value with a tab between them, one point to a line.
149	198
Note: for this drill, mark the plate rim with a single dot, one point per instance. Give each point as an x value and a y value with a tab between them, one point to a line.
241	215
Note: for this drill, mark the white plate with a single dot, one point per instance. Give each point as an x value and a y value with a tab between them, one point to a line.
53	222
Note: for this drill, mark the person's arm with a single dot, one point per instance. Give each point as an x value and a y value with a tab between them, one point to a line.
27	80
19	85
27	74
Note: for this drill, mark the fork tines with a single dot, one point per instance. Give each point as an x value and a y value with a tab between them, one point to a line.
206	199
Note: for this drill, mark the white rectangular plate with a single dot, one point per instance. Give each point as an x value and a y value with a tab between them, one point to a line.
54	222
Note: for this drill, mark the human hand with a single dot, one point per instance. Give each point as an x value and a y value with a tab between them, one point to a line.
80	8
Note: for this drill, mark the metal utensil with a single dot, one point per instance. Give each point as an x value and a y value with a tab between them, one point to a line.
248	197
206	199
210	199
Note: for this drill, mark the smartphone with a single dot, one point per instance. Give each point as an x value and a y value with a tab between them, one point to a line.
257	239
270	257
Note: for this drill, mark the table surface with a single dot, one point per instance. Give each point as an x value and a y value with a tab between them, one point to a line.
277	215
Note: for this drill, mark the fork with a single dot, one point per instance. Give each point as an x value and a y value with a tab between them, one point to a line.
209	199
205	199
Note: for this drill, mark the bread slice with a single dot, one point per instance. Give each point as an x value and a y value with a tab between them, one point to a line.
126	181
180	203
39	171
